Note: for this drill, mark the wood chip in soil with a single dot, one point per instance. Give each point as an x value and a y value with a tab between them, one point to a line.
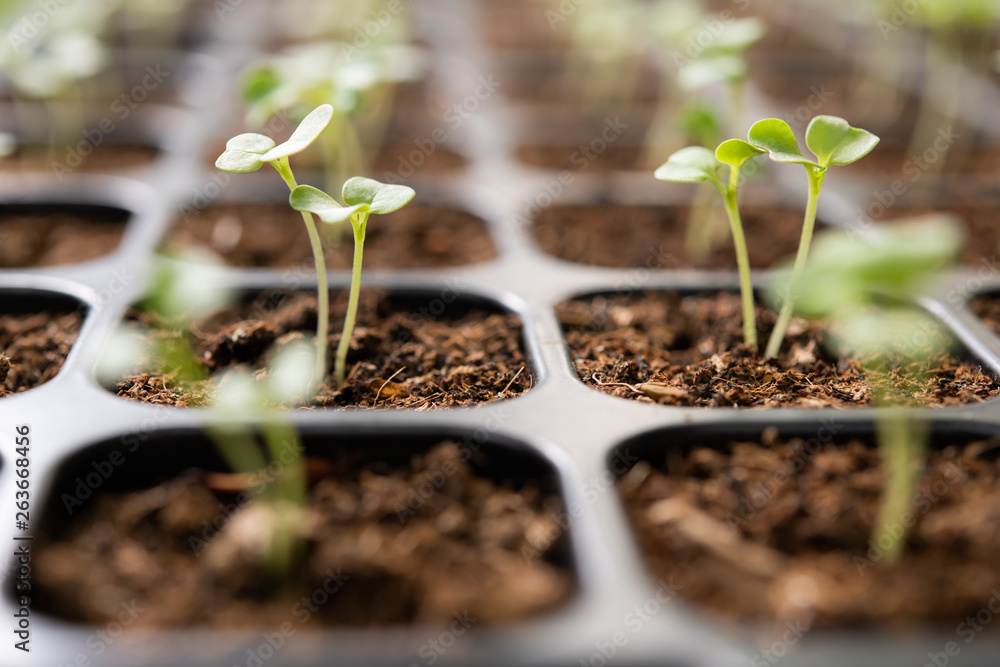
33	236
188	556
272	235
779	531
660	347
33	347
653	237
400	357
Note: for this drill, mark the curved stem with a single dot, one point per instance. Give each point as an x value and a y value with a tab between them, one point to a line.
742	259
352	302
322	286
808	224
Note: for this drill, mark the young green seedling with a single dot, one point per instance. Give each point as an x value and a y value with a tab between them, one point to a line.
363	197
249	152
864	289
696	164
834	143
183	290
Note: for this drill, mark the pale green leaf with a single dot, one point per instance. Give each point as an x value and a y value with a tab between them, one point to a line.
776	137
381	198
307	131
315	201
735	152
238	162
694	164
836	143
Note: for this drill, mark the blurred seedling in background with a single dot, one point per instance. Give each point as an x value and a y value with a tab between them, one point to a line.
834	143
359	83
244	416
864	289
697	164
693	73
362	197
249	152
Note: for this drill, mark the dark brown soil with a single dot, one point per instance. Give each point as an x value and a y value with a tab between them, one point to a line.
520	24
52	235
273	235
653	237
661	347
33	347
403	355
102	158
781	531
369	560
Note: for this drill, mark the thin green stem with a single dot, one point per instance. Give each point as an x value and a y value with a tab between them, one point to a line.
902	442
322	286
358	222
816	177
742	258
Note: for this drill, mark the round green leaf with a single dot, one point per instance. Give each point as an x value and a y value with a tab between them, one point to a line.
735	152
694	164
776	137
238	162
381	198
307	131
250	142
312	200
824	135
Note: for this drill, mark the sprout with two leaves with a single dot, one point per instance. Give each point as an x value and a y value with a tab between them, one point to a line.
696	164
864	288
249	152
834	143
362	198
243	419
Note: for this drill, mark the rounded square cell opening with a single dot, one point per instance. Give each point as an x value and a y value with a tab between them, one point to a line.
414	523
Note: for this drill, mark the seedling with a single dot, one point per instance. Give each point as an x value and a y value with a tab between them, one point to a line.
362	198
834	143
359	83
249	152
864	289
696	164
183	290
